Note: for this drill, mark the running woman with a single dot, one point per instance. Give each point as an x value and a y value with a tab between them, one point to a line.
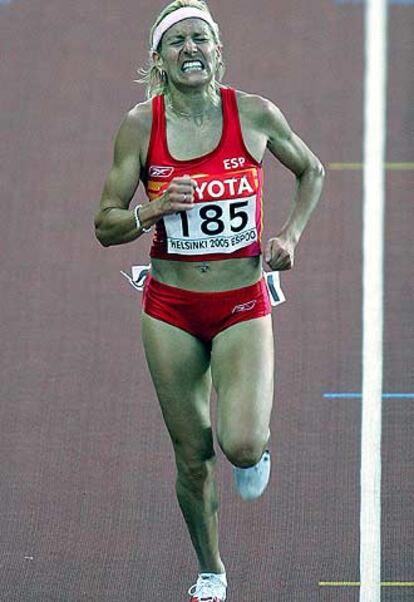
198	146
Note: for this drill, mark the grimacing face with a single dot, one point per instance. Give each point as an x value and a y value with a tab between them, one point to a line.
188	53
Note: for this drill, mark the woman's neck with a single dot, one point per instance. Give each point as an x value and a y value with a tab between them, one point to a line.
192	105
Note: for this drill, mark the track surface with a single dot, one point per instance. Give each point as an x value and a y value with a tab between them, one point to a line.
87	502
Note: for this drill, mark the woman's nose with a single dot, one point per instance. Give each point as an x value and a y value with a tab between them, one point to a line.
190	46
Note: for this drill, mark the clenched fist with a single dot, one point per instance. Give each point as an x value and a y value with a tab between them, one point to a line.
179	195
280	254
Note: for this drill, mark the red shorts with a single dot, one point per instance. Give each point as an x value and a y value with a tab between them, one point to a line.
205	314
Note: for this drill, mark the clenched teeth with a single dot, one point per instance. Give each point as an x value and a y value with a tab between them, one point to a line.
192	66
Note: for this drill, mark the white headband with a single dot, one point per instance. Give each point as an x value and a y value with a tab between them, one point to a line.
188	12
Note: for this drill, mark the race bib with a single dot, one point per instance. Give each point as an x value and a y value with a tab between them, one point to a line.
212	227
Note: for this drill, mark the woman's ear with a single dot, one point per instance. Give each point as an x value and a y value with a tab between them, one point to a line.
157	59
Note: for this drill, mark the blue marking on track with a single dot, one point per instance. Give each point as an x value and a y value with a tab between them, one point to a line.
5	2
359	395
392	2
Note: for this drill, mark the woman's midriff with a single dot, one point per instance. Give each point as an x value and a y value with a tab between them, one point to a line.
208	276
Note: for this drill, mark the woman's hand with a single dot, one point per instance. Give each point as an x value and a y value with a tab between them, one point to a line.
280	253
179	196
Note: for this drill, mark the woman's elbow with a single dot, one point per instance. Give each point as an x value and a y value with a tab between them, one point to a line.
100	231
105	242
318	168
321	170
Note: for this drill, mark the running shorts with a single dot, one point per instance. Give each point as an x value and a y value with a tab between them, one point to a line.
205	314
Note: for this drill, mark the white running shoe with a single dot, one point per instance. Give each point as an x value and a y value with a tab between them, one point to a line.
210	587
251	482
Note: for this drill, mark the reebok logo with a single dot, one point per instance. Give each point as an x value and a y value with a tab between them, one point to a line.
158	171
244	306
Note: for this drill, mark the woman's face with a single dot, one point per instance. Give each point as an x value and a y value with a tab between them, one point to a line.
189	53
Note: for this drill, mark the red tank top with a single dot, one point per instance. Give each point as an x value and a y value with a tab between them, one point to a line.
226	220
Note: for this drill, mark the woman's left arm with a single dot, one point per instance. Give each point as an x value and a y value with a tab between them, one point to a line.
286	146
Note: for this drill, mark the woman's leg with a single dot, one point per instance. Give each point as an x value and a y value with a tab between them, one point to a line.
242	365
179	364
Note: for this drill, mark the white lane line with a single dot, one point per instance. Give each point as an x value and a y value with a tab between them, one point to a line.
354	395
372	344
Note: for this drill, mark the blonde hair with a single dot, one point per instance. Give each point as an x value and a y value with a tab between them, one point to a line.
154	78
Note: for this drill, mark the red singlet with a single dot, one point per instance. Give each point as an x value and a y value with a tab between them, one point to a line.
226	220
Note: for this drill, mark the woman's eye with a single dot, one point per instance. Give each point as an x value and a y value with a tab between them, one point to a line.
197	40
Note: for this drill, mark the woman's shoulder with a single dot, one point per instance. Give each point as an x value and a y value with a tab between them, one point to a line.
255	108
135	128
140	115
252	102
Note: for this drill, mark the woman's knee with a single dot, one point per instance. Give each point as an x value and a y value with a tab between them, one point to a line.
195	467
244	451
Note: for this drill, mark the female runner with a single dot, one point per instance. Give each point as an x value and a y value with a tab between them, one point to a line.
198	148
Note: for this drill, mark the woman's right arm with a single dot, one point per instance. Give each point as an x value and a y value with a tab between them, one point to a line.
114	223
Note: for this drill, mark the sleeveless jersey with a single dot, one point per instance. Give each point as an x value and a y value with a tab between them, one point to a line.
226	219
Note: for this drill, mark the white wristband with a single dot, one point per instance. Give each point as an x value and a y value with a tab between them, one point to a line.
138	221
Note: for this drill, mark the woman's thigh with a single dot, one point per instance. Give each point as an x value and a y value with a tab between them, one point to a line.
242	364
179	365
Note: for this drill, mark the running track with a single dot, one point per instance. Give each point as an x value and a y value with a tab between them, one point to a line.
87	503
